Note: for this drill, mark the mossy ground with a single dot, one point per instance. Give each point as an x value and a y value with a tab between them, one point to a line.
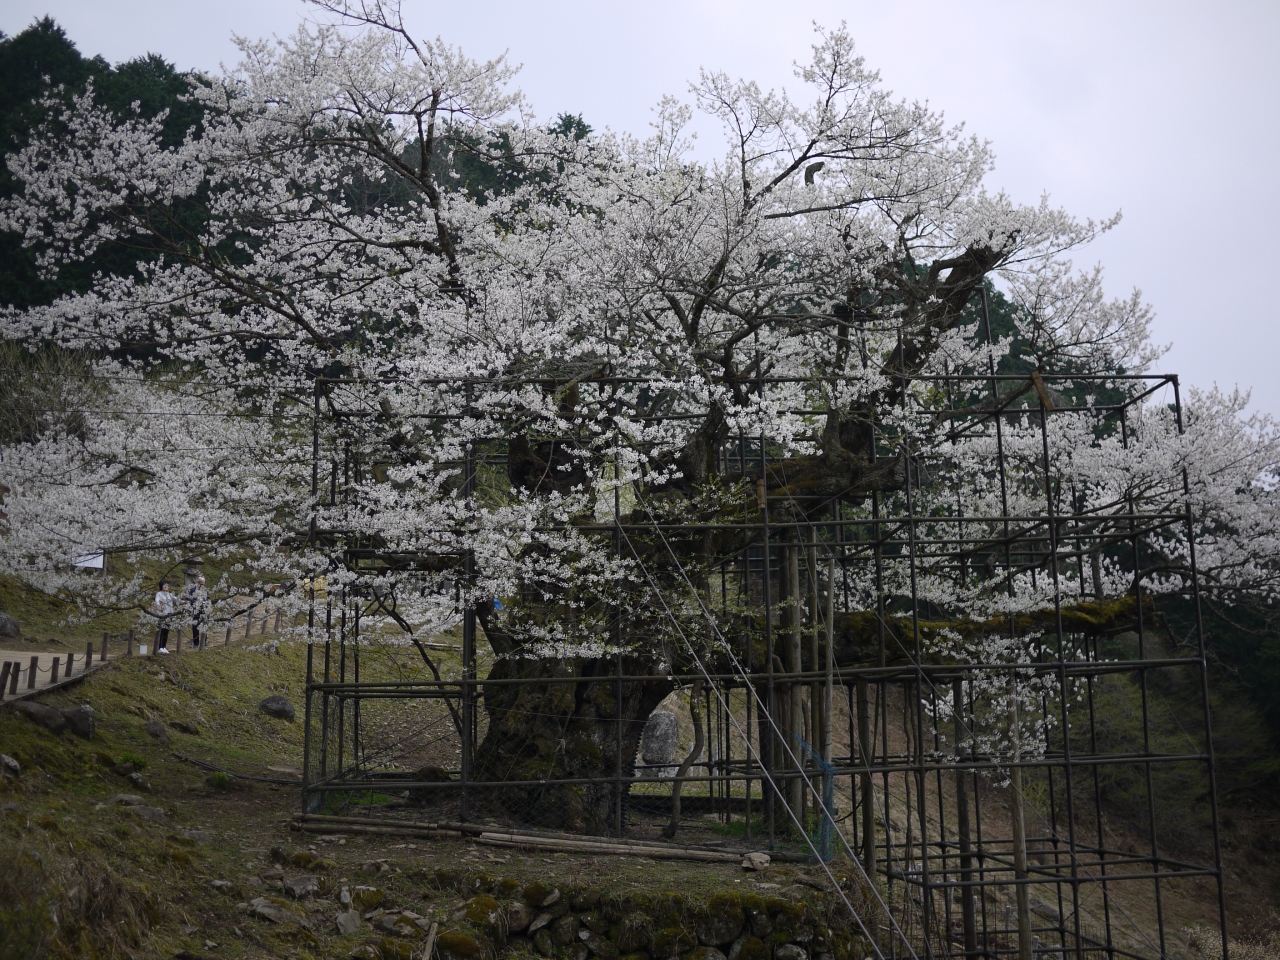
155	896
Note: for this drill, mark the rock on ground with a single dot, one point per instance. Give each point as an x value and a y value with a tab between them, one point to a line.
128	799
9	626
348	921
658	742
267	909
156	729
80	721
277	706
44	716
302	888
147	813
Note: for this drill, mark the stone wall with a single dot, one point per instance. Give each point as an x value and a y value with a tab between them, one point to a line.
504	918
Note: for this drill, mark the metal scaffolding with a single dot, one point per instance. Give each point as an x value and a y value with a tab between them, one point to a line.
842	705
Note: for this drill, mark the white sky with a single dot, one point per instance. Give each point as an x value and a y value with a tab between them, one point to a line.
1168	111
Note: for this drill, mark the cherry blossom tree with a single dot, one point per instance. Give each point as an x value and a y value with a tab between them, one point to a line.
331	359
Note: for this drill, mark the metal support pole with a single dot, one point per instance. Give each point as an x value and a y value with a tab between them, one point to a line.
1018	824
866	749
468	639
1203	669
828	691
311	593
968	921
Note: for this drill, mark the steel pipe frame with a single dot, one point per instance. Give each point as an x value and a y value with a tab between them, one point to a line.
904	535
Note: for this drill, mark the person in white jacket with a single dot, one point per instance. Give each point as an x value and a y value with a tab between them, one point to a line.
163	606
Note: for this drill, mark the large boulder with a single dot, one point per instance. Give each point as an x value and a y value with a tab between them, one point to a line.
659	740
156	730
45	716
277	706
79	721
9	628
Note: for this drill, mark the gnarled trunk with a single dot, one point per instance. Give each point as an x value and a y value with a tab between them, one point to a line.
572	720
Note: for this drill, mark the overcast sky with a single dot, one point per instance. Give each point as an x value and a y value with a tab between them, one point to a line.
1168	111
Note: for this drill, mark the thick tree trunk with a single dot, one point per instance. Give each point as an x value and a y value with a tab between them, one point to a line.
567	722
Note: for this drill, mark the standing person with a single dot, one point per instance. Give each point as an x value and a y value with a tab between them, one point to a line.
197	600
163	607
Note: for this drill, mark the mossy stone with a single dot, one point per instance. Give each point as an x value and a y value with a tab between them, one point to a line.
594	921
367	898
392	949
565	930
456	945
507	889
704	953
447	879
539	894
635	955
672	941
543	943
780	906
600	947
669	909
518	915
631	933
749	947
722	920
586	899
482	910
305	860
